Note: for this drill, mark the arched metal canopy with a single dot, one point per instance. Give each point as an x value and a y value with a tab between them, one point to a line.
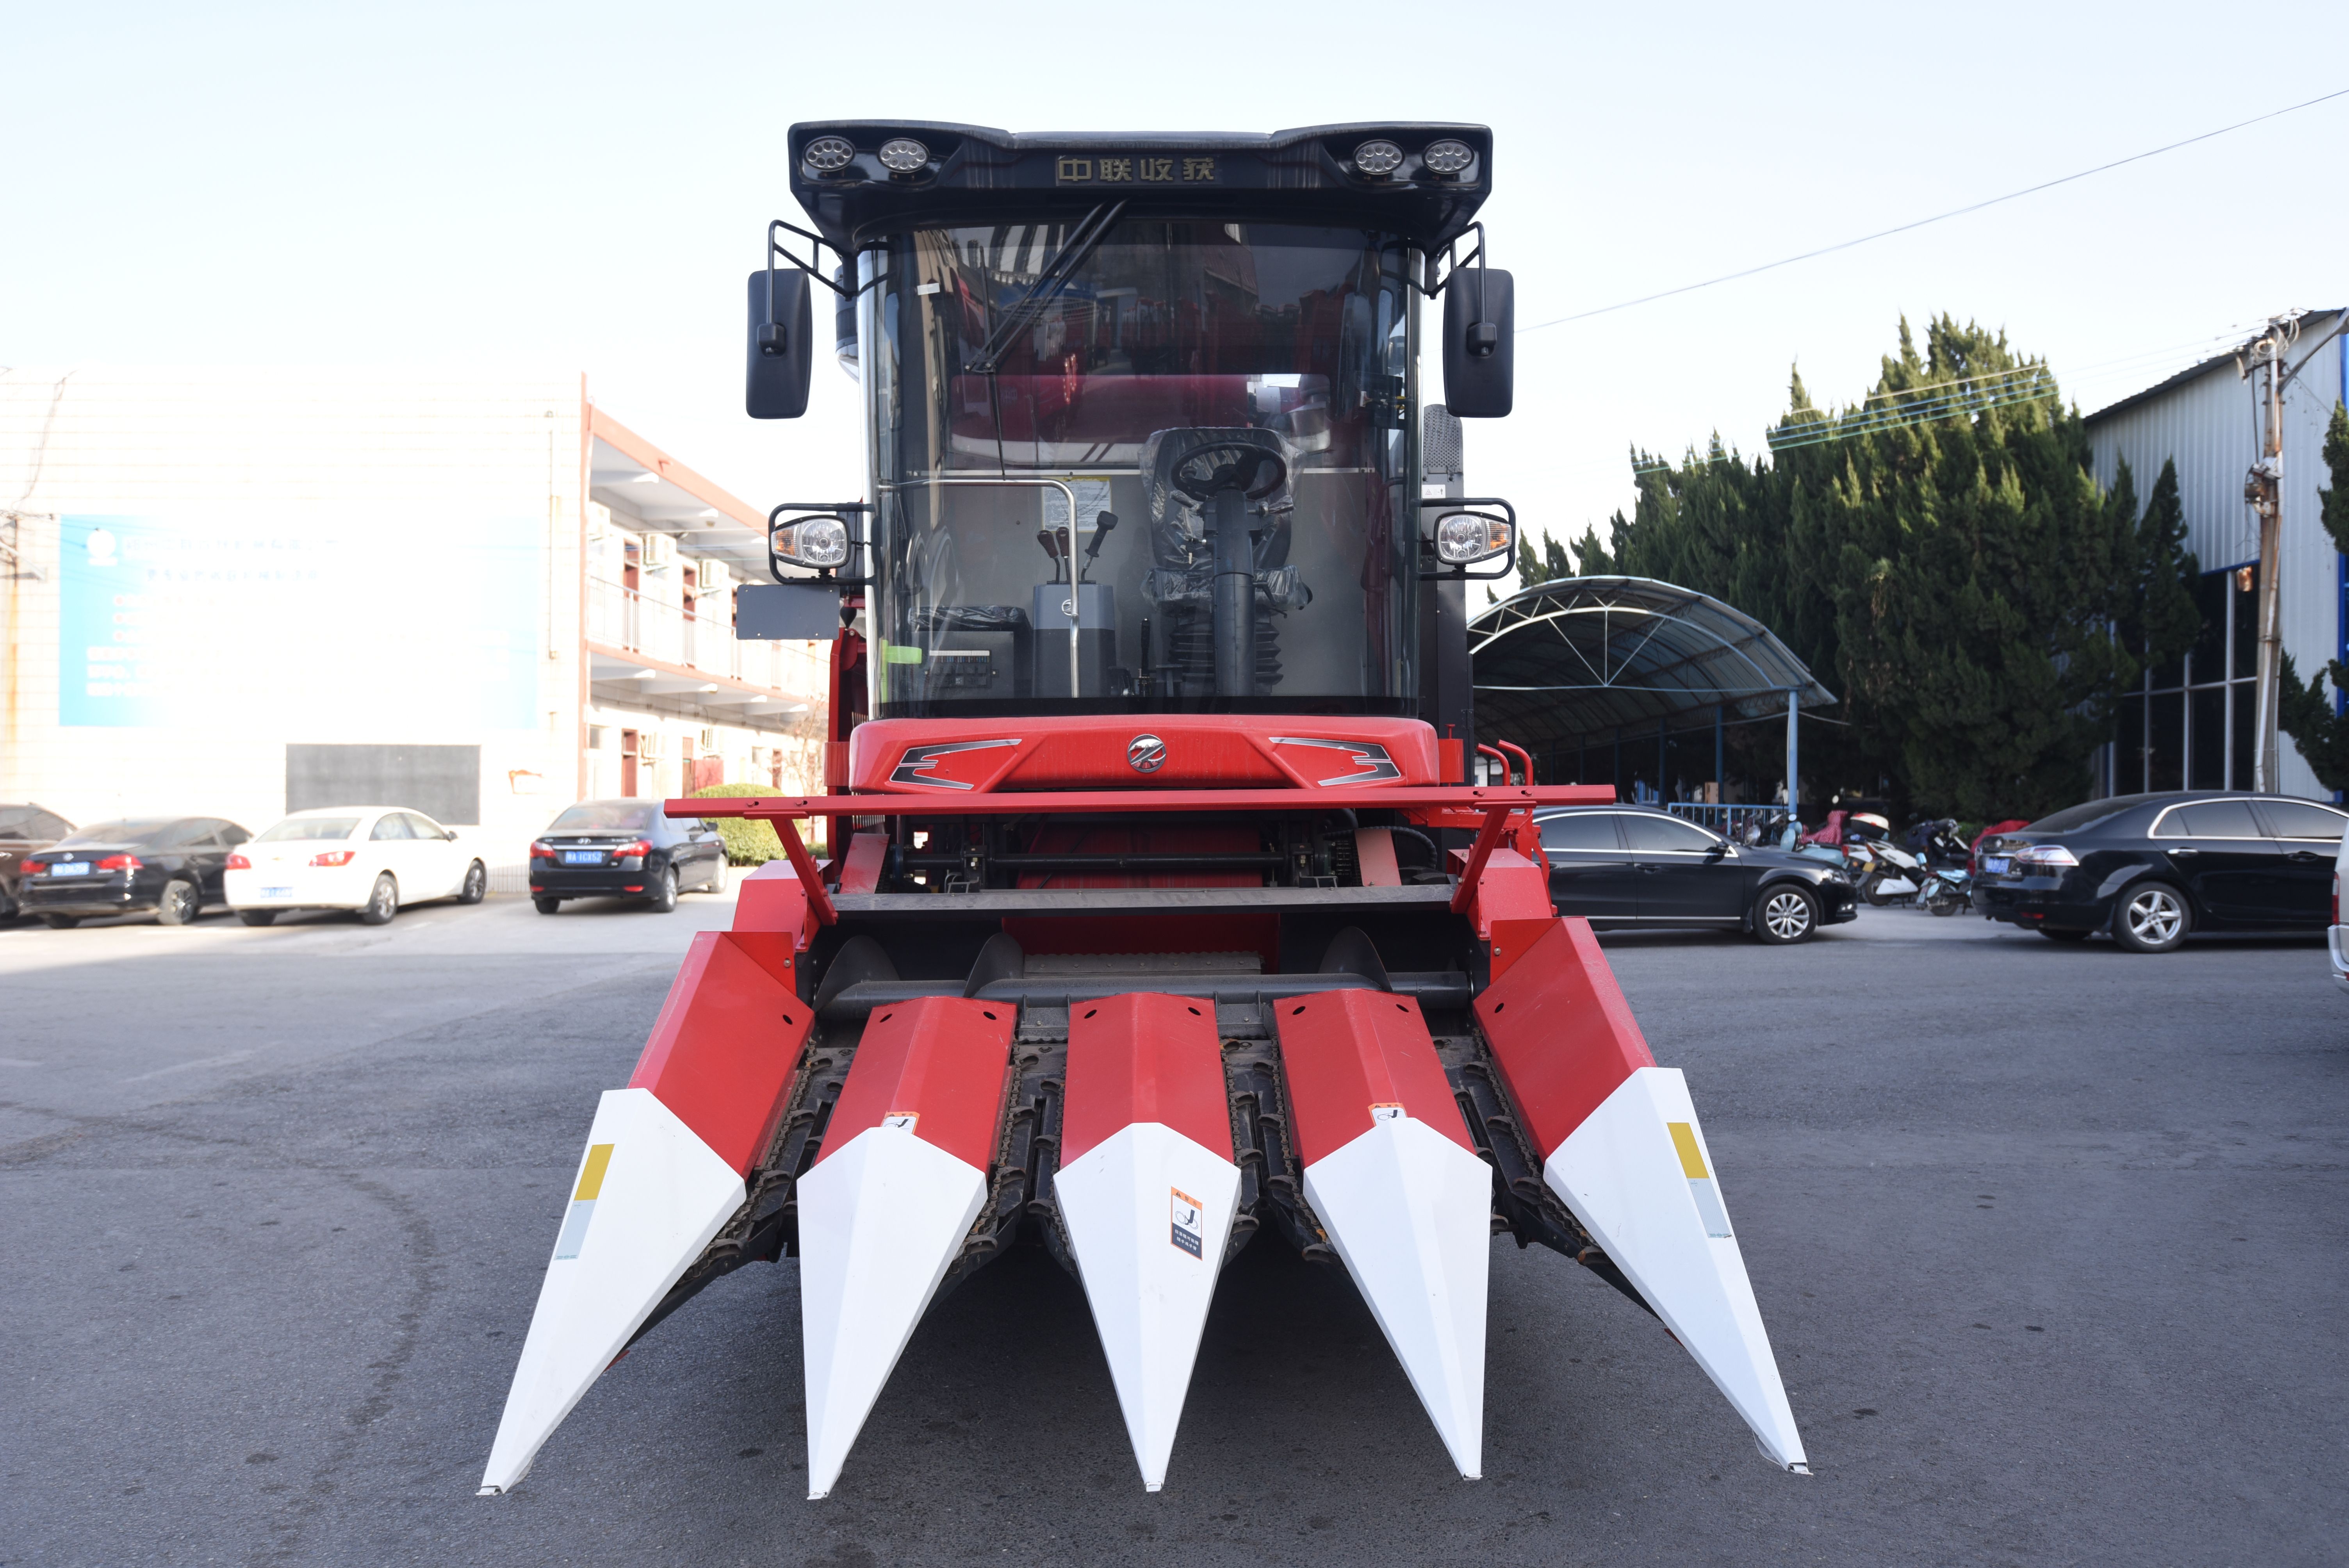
1576	658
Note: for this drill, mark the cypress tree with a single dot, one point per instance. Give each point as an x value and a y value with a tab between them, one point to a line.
1942	555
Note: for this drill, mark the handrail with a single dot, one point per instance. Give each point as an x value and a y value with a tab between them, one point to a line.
1482	800
1495	805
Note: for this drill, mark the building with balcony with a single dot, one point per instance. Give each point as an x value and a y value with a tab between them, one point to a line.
242	592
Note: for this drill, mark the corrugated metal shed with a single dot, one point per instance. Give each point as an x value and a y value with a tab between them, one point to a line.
2206	419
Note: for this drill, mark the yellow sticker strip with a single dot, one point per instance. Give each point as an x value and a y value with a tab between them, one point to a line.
1691	1157
599	1160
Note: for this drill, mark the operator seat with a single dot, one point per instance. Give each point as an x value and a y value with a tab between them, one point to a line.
1220	502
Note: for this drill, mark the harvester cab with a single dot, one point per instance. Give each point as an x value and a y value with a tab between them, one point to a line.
1153	906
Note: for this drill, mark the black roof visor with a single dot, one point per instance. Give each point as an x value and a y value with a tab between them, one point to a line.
959	175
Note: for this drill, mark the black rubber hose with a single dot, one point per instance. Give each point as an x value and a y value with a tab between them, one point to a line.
1435	855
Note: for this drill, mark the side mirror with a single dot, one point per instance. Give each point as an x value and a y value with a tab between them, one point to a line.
1480	352
787	612
781	345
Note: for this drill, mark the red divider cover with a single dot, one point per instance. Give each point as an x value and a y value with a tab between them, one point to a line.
941	1059
1347	1051
1145	1057
727	1041
771	899
1561	1031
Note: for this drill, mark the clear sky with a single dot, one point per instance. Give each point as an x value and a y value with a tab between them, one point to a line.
584	186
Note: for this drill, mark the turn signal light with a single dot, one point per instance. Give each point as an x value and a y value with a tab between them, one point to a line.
334	857
239	863
639	847
120	863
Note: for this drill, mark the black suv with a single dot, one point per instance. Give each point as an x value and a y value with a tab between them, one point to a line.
172	865
2153	869
624	848
1630	866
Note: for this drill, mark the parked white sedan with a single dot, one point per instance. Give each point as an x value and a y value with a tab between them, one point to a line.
371	859
2336	937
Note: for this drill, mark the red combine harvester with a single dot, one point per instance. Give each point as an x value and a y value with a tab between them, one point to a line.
1157	906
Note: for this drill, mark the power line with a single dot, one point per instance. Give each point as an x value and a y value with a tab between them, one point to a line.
1938	217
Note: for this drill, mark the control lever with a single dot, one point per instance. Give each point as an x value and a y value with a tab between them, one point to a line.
1049	538
1104	526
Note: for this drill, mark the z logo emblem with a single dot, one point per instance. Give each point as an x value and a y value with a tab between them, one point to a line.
914	767
1372	763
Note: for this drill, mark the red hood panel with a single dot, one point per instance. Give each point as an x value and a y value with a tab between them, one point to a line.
1193	751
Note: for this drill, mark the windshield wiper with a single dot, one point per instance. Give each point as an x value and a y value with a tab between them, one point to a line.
1046	288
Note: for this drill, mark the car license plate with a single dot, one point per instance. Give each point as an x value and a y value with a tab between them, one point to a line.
277	892
583	857
1996	865
69	868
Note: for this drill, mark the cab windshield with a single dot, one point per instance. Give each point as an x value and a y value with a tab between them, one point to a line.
1170	470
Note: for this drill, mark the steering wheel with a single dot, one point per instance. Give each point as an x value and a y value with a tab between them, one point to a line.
1255	471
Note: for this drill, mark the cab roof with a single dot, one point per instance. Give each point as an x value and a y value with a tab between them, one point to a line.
978	175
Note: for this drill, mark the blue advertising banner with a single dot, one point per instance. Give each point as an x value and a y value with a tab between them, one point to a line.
172	620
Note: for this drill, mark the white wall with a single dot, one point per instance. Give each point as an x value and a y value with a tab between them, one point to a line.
336	557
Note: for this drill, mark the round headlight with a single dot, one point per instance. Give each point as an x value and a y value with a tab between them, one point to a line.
1447	157
1378	158
1466	537
819	542
827	155
903	155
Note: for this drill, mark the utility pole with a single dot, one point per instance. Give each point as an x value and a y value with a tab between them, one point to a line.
2264	489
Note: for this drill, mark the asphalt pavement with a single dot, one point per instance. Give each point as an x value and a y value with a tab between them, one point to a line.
2050	1240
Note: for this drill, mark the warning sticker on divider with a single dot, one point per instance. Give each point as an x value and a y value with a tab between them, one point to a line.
901	1121
1386	1113
1188	1232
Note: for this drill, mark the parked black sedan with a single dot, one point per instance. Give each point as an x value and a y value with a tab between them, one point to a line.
1620	866
171	865
624	848
23	828
2154	869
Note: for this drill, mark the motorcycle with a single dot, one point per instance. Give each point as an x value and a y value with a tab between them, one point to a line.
1893	874
1948	889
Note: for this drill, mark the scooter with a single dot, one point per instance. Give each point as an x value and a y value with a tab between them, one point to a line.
1893	874
1948	889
